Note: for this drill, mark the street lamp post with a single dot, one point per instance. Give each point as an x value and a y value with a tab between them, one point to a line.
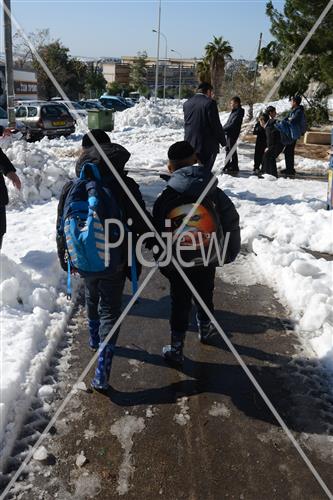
165	63
158	49
180	72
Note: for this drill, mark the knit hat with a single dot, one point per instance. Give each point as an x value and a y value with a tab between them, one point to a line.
100	136
180	151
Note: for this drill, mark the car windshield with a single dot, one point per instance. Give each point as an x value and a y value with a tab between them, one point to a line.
76	105
54	111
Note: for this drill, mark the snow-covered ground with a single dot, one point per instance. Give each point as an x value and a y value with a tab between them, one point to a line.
281	221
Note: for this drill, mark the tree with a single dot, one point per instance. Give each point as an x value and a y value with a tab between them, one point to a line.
95	81
22	49
138	72
203	71
55	56
217	52
289	29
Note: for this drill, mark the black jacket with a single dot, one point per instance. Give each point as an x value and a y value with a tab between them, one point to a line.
190	182
6	166
128	208
203	129
273	138
233	125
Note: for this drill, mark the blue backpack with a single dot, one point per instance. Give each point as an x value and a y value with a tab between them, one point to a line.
89	203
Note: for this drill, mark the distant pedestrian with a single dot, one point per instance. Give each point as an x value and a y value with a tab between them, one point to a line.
232	130
298	125
203	129
7	169
274	145
261	145
215	216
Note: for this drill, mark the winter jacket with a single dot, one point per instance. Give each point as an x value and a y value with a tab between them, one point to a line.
233	125
297	121
116	154
273	138
203	129
6	166
186	184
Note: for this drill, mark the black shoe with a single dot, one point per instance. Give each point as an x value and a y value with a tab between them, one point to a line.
206	331
287	173
173	355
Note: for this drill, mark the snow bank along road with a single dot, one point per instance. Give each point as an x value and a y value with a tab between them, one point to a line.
282	221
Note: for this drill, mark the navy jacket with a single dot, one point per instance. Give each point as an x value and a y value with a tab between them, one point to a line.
297	119
233	125
189	182
6	166
203	129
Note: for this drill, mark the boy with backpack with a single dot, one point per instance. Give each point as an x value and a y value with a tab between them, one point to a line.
84	207
217	215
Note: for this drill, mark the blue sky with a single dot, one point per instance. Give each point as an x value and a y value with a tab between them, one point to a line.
115	28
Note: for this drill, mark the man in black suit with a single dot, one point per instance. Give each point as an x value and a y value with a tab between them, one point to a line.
232	130
203	129
273	143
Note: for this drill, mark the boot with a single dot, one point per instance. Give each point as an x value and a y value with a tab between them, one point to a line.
173	354
93	334
206	331
103	369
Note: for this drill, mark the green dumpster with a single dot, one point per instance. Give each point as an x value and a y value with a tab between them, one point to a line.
100	118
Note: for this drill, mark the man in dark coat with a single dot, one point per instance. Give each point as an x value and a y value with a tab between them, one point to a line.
273	142
7	169
232	130
261	145
297	119
203	129
187	182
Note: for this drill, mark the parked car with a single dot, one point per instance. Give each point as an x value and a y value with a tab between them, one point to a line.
113	102
91	104
135	96
130	101
45	119
79	110
3	118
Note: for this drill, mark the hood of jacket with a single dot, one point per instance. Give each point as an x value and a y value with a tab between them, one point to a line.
117	154
191	180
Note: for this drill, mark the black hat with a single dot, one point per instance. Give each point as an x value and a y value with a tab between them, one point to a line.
297	99
118	155
205	86
100	136
180	151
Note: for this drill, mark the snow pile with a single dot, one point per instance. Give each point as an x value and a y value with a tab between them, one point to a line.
43	168
281	105
147	114
306	165
33	313
280	220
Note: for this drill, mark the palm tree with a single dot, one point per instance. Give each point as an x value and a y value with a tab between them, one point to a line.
217	52
203	71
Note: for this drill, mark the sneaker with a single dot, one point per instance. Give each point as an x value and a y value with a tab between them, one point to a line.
173	355
206	330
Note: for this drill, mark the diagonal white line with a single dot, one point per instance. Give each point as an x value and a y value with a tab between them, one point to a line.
254	381
80	379
148	222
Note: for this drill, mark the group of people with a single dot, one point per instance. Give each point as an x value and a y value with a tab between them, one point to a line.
98	193
104	290
269	143
206	134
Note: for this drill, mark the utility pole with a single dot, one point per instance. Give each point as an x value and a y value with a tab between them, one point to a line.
158	49
9	62
250	114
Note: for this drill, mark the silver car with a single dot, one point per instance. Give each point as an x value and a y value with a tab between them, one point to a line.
42	119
